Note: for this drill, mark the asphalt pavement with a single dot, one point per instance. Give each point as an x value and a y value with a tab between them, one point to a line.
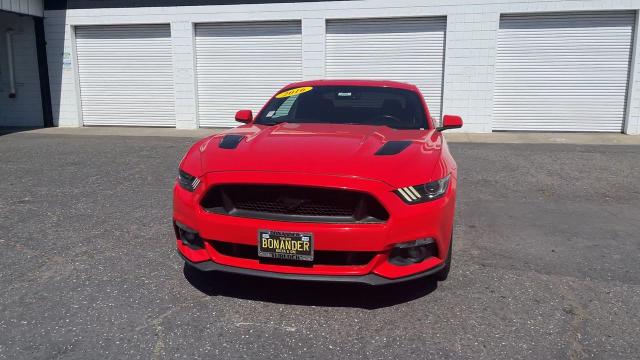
546	250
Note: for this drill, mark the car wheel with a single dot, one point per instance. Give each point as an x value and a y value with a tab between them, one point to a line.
443	274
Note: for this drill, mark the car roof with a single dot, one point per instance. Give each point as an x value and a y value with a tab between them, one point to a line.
345	82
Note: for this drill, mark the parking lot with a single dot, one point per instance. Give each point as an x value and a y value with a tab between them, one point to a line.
546	250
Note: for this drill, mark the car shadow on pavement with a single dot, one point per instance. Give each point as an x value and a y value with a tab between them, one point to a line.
4	130
307	293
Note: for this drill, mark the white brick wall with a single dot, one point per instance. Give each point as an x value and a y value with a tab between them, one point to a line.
182	34
313	50
469	61
65	103
25	110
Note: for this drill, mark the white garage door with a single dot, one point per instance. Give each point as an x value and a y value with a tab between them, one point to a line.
241	65
562	72
404	49
126	75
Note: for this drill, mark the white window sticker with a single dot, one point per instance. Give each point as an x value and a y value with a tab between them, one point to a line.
270	113
344	94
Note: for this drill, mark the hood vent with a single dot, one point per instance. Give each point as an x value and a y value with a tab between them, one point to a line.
393	147
230	141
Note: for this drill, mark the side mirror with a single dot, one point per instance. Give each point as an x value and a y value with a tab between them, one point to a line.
244	116
450	122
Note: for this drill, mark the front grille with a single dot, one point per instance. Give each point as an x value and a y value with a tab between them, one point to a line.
320	257
294	203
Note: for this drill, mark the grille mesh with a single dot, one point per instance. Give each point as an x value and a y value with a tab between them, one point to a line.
336	258
279	206
294	203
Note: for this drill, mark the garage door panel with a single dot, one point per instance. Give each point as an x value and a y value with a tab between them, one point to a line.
241	65
401	49
126	75
562	72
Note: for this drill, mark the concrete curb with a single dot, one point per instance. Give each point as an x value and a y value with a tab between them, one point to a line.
545	138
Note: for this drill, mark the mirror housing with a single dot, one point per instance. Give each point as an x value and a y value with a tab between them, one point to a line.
244	116
450	122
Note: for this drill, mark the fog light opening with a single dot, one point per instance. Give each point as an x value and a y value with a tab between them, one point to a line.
412	252
189	237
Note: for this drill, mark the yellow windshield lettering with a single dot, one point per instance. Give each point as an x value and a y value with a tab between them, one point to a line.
295	91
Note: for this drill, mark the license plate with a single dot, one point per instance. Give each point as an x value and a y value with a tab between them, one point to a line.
285	245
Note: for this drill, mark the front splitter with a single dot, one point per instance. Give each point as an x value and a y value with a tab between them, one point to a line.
369	279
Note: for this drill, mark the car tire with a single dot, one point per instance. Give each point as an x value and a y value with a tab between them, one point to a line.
443	274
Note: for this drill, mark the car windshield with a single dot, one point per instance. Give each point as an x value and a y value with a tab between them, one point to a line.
361	105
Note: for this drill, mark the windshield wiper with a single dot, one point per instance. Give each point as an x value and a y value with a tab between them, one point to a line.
400	127
393	126
272	122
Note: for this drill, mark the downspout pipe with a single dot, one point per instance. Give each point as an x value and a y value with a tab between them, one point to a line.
43	72
12	76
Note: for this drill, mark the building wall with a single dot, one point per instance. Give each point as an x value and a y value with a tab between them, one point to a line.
25	110
29	7
469	60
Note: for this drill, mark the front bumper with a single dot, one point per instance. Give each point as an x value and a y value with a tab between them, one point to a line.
368	279
406	223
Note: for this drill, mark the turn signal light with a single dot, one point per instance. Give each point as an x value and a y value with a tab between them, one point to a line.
426	192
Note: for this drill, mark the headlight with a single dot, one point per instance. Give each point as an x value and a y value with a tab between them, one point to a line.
425	192
188	182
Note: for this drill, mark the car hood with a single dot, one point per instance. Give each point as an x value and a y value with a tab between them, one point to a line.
328	149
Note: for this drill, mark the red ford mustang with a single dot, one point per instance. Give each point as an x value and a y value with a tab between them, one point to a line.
339	181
